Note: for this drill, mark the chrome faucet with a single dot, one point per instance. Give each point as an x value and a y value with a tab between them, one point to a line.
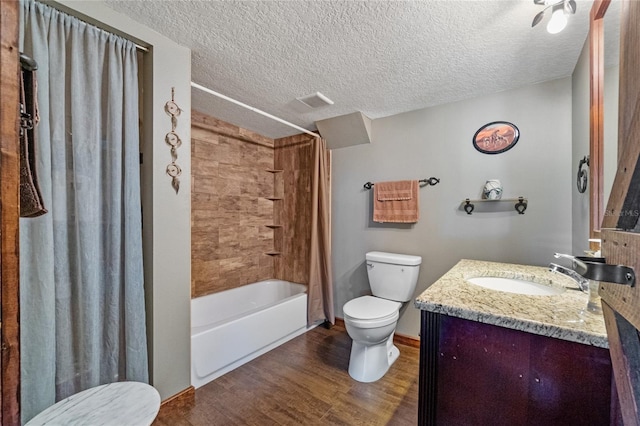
579	268
583	283
584	270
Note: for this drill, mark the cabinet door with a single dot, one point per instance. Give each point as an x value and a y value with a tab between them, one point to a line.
490	375
569	384
483	374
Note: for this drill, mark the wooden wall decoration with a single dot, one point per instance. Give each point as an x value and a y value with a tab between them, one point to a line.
621	225
173	140
231	206
9	214
596	118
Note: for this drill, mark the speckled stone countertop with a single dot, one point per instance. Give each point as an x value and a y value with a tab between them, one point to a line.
554	316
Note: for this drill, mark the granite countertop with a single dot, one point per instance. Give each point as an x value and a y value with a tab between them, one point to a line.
553	316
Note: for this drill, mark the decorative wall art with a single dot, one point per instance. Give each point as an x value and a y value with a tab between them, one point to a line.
496	137
173	140
492	190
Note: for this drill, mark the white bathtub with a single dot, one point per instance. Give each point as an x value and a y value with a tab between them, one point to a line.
235	326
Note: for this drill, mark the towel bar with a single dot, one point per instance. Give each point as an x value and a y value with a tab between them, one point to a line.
430	181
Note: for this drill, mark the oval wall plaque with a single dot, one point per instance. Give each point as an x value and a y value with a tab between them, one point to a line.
496	137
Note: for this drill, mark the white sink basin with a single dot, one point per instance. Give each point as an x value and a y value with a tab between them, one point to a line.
515	285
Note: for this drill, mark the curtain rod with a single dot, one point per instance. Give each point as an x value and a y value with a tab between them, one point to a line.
249	107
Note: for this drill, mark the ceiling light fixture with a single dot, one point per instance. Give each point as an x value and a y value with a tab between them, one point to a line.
559	13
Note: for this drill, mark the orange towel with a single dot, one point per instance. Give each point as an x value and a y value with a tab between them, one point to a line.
396	201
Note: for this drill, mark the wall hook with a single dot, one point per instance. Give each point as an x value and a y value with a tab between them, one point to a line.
582	179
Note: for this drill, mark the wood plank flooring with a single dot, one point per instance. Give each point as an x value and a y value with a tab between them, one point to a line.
304	382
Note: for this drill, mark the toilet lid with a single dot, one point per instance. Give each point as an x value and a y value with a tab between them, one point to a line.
369	307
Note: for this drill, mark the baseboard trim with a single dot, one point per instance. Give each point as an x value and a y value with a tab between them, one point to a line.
403	339
399	339
185	397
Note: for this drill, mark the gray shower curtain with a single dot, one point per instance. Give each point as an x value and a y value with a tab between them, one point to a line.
81	278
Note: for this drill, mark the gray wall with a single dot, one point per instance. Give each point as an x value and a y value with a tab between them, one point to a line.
437	142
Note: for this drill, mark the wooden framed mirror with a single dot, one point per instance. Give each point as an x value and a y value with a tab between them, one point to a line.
604	46
596	117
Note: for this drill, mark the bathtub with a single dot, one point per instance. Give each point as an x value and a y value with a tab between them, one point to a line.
235	326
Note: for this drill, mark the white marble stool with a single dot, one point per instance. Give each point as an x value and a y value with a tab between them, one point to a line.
120	403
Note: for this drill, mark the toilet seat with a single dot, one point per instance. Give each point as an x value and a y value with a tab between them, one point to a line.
371	312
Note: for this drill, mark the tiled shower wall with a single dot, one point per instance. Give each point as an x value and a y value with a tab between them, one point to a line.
250	196
229	208
293	155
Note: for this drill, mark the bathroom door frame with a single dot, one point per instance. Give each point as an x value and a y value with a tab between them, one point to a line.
9	214
620	230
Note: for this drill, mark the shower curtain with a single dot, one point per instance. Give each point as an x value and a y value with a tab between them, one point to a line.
320	289
81	279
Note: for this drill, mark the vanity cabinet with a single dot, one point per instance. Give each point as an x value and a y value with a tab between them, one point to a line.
473	373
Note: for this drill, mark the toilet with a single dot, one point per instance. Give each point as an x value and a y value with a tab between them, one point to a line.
371	320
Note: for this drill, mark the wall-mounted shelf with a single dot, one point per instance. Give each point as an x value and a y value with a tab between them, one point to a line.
273	198
273	253
274	170
273	226
519	204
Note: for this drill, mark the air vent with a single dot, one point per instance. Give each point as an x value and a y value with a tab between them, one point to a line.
315	100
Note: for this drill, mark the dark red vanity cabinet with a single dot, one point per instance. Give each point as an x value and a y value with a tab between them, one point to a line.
479	374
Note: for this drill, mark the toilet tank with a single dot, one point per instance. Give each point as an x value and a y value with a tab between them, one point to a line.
393	276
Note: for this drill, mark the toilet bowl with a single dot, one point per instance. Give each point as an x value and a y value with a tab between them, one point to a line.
371	320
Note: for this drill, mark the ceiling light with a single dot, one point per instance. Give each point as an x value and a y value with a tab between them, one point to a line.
560	11
558	20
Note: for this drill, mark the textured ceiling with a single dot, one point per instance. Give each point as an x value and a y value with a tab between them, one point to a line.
377	57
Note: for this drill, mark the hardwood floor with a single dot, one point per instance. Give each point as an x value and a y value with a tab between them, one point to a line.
304	382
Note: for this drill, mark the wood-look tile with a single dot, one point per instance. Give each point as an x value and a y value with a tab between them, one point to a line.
199	119
237	172
203	150
203	217
204	167
231	265
204	184
266	261
203	135
203	251
228	280
206	270
230	182
204	201
259	139
267	270
228	151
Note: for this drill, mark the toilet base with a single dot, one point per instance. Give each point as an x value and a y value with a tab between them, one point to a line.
369	363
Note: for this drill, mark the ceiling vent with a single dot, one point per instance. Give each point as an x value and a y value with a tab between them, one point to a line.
315	100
